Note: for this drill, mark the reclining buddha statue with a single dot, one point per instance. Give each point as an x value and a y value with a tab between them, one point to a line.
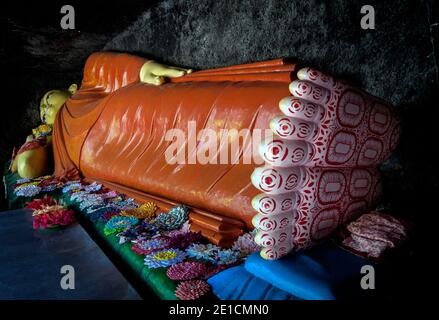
318	171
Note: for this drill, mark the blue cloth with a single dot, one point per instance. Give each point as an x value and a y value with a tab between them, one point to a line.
237	284
325	272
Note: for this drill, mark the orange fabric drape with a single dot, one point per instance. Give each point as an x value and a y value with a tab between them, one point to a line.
104	73
112	130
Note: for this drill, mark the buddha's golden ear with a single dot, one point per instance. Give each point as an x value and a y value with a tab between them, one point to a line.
73	88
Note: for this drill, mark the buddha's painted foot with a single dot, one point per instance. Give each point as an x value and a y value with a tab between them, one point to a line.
321	166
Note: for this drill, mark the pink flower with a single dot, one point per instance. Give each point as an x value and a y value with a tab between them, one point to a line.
52	216
37	204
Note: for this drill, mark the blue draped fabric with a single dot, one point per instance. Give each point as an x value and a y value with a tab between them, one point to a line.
325	272
238	284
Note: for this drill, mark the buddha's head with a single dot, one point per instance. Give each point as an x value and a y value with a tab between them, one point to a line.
52	101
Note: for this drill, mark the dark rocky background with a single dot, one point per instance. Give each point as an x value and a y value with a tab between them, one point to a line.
398	61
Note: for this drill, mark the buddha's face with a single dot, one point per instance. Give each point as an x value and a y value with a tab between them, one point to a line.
52	101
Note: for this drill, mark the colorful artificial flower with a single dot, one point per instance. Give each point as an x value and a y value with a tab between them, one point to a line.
104	208
91	201
47	209
49	184
28	190
143	231
203	252
246	244
227	256
52	216
22	181
109	195
37	204
56	218
186	227
93	197
118	224
188	270
116	199
30	182
67	183
150	245
149	225
170	233
48	188
183	240
164	258
124	204
145	211
213	254
174	219
49	180
191	289
136	233
95	215
71	187
78	195
93	187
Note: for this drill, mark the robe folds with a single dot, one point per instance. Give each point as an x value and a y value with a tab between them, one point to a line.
113	131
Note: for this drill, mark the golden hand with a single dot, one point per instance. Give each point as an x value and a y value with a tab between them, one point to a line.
155	73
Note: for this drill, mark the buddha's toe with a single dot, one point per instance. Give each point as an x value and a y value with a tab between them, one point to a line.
316	77
269	223
310	92
275	244
286	153
267	204
294	128
278	180
301	109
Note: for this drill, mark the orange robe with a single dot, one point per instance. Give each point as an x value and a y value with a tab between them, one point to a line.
76	118
112	131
